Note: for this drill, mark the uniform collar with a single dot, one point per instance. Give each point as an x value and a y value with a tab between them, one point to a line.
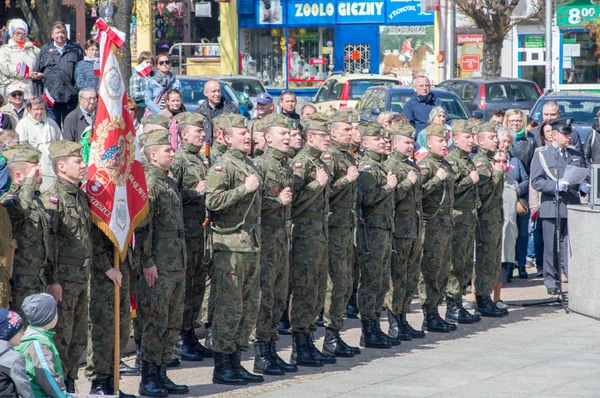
186	146
220	147
312	151
398	156
157	171
236	153
373	155
462	153
435	156
68	187
490	154
277	154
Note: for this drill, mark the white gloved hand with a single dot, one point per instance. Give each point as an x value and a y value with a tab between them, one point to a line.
585	187
563	186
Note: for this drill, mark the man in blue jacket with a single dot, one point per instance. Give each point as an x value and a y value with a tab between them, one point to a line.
418	107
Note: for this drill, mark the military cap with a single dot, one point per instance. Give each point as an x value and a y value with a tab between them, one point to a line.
276	120
563	126
256	125
369	129
293	124
318	115
190	118
217	120
403	129
232	120
161	120
342	117
436	130
485	127
155	137
61	148
462	126
315	124
21	153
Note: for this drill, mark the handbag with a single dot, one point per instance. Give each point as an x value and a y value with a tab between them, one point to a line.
522	207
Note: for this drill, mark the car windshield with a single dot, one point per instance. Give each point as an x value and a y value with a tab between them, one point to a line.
456	110
358	87
250	87
582	110
192	90
503	92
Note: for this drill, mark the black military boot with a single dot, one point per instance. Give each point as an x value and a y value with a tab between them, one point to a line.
70	385
486	307
149	384
301	353
455	312
352	307
370	338
333	344
451	327
415	334
110	384
187	350
318	355
284	325
393	341
396	330
264	362
168	384
99	387
223	372
236	364
287	367
355	350
200	349
127	370
138	356
175	363
432	323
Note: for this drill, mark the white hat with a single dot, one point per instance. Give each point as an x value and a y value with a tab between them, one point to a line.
17	24
13	87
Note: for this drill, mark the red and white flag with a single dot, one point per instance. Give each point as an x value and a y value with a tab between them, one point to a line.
97	67
22	70
116	185
49	99
143	69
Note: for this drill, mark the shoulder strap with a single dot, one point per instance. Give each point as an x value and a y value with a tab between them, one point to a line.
5	351
545	166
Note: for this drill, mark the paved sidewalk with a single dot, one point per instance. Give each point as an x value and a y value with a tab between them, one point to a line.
535	351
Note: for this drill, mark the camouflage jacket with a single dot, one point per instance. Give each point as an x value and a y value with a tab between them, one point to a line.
160	239
310	206
376	198
216	151
466	197
104	254
235	211
70	243
491	186
408	217
291	153
5	238
438	195
342	199
277	175
189	169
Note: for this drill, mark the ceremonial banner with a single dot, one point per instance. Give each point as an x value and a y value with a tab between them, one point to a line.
116	185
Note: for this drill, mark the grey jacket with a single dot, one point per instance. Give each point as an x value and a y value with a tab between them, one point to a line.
12	366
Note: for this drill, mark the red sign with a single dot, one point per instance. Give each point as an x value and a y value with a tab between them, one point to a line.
318	61
470	63
464	39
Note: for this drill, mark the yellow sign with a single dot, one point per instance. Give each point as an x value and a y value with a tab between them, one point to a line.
326	50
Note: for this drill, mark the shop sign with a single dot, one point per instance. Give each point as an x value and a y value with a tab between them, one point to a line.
535	41
465	39
326	50
360	12
576	13
324	11
469	52
318	61
407	12
311	12
470	63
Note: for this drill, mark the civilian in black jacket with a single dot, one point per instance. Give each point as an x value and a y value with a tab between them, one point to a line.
214	105
81	117
288	102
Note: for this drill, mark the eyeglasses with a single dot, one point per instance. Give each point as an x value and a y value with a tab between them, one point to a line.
164	62
130	109
19	34
89	98
17	94
515	121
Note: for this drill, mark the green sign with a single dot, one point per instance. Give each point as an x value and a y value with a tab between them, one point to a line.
576	14
535	41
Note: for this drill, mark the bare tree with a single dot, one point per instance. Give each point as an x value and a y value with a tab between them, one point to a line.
122	18
41	17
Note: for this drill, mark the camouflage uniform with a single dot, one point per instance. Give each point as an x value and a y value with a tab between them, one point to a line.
30	230
236	243
5	266
70	254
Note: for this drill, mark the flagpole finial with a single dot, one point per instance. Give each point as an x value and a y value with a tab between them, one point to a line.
107	10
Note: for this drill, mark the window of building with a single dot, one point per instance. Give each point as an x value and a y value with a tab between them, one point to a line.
579	58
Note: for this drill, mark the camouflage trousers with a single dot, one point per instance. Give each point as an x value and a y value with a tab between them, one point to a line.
23	286
488	260
100	353
208	302
406	266
375	268
355	269
160	309
274	282
308	282
72	327
339	281
463	246
196	274
435	263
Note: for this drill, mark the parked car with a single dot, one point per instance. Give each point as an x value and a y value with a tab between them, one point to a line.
581	106
486	94
344	90
387	97
192	90
250	85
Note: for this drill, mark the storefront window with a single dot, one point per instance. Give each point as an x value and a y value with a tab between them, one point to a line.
579	59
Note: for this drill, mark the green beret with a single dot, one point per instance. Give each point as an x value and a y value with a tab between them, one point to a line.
487	127
256	125
462	126
276	120
190	118
61	148
315	124
21	153
161	120
369	129
342	117
436	130
155	137
403	129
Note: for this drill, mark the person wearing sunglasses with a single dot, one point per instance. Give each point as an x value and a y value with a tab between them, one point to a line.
162	81
15	109
13	54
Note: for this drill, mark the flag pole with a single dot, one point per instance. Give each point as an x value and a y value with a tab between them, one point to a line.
117	311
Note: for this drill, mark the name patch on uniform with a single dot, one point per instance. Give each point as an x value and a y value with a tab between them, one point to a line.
298	165
367	167
479	165
218	168
327	157
52	199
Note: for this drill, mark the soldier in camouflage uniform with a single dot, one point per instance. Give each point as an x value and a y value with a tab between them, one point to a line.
70	253
104	278
309	264
234	198
5	262
275	244
437	180
408	225
466	202
342	201
219	146
357	154
489	239
155	122
375	208
257	133
29	224
160	254
189	173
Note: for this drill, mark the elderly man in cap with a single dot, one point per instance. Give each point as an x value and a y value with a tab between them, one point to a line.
264	105
70	256
15	110
437	180
547	170
490	219
161	252
234	195
189	173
